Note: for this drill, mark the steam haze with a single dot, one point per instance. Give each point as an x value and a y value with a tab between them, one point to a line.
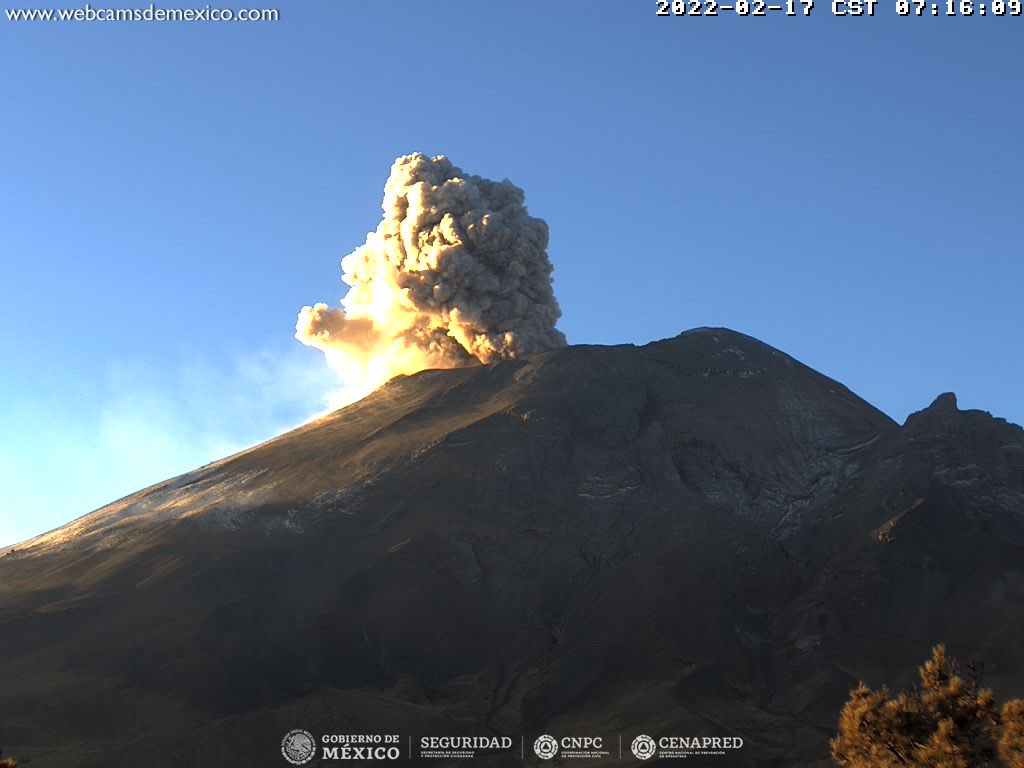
457	272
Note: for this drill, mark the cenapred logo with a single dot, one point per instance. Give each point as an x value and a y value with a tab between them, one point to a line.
681	747
643	747
298	746
546	747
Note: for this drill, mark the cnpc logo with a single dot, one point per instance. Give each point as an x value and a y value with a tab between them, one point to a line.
547	746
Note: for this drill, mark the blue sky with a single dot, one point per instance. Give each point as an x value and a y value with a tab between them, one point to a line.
846	189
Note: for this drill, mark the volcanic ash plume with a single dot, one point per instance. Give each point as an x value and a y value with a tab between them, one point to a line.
456	272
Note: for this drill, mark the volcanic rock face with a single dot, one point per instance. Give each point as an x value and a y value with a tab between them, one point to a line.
701	536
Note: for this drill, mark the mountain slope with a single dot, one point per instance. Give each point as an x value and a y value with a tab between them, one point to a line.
697	536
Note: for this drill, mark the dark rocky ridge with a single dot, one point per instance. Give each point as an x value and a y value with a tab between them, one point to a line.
697	536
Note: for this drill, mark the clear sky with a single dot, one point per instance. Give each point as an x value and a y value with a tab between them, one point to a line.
846	189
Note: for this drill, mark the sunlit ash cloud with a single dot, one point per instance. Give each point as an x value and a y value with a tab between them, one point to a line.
457	272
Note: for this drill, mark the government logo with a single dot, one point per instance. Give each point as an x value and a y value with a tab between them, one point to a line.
298	747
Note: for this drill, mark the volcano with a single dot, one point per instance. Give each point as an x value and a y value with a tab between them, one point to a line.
697	537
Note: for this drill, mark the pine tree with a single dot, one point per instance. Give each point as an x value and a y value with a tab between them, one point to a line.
1011	743
944	722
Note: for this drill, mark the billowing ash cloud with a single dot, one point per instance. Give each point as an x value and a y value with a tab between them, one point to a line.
457	271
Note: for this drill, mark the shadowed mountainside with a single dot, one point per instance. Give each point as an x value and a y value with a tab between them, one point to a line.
700	536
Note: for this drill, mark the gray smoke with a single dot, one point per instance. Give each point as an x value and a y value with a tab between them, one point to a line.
456	271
